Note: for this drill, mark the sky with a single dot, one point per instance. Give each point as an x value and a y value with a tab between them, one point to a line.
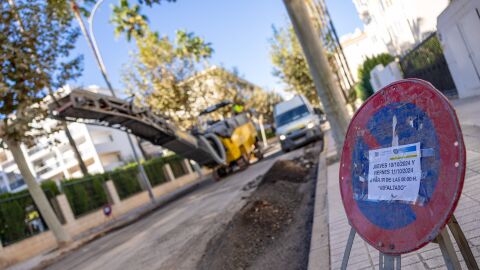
238	30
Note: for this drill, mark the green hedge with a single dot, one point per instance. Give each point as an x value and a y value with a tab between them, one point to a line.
364	89
154	170
85	194
13	213
125	181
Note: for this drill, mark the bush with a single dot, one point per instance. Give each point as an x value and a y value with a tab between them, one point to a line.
12	222
154	170
364	89
50	186
78	198
86	194
126	181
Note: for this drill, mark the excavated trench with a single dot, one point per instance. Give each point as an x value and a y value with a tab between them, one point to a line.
273	229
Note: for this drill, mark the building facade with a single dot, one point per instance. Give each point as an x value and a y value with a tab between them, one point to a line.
357	46
399	24
102	149
458	28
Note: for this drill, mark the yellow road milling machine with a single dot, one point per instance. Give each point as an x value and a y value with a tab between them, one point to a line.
222	145
236	131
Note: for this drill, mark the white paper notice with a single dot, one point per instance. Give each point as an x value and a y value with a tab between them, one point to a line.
394	173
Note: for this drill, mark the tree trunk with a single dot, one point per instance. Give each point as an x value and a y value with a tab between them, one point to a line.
327	89
37	194
81	164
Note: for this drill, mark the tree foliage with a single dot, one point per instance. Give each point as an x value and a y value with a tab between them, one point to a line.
165	76
158	69
364	88
290	64
128	19
35	55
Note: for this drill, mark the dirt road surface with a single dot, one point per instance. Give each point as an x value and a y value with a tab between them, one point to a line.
173	237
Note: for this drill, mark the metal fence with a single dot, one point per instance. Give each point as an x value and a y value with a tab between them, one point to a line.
333	48
426	61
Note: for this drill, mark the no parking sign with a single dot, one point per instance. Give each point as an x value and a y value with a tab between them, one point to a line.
402	167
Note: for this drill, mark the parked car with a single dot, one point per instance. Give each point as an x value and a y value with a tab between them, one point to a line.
297	123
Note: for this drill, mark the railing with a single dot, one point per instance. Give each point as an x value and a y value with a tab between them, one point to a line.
35	149
8	163
426	61
47	168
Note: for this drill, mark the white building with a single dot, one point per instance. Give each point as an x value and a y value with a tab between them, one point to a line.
102	149
458	31
357	46
399	24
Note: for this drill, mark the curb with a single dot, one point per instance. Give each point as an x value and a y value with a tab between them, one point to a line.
119	224
319	255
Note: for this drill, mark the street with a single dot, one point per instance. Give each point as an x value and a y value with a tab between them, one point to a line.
175	236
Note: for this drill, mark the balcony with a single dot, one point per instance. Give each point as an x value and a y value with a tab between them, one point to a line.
35	149
47	168
8	164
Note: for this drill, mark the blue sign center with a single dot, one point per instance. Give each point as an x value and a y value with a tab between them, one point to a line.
408	124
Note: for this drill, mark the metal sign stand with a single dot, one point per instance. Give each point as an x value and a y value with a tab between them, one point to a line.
393	262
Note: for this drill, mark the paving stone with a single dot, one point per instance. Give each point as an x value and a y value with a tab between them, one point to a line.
431	253
416	266
435	262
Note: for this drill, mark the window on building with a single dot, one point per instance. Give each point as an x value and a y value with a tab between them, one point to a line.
108	159
102	137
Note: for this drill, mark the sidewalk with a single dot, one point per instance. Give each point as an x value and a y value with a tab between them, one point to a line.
467	213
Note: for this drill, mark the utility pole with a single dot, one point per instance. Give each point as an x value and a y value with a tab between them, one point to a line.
327	89
102	68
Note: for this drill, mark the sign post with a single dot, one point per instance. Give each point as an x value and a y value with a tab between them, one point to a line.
402	172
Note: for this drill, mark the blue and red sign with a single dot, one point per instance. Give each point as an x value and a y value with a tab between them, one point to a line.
107	210
406	112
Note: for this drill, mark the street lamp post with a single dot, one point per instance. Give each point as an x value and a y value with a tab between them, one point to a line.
98	57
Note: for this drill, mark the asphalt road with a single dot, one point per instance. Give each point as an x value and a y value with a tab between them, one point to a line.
175	236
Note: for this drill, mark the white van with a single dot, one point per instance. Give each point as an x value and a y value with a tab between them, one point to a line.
297	123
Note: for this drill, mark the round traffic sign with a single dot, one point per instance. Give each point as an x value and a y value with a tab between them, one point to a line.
402	166
107	210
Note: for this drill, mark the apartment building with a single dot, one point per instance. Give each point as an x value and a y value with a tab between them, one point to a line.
102	149
399	24
357	46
